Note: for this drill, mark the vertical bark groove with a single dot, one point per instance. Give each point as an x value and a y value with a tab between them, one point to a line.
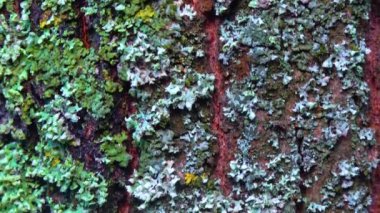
224	156
83	25
211	28
126	205
372	76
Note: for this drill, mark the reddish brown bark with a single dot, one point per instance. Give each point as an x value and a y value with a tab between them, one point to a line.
224	156
16	6
126	205
203	6
84	25
372	76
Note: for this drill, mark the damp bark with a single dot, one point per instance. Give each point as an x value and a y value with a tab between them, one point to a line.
372	76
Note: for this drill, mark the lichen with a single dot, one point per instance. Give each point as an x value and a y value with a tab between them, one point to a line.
185	106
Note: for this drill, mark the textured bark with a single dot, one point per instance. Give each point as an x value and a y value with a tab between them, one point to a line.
225	153
372	68
298	143
83	22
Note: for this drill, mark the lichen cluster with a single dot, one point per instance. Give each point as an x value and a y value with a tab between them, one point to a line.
84	83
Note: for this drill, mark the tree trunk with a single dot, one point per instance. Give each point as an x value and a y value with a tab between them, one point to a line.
189	105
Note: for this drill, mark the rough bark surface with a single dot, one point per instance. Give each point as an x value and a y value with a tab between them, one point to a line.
193	105
372	68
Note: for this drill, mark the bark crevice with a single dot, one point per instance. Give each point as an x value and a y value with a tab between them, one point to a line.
225	154
372	77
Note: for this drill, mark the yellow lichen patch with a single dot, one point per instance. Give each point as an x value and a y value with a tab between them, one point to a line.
47	20
57	20
190	178
204	176
25	107
43	23
55	161
44	19
145	14
48	154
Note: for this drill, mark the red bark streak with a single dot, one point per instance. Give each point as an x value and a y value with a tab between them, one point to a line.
212	31
84	26
85	39
203	6
195	4
372	76
89	130
16	6
127	205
